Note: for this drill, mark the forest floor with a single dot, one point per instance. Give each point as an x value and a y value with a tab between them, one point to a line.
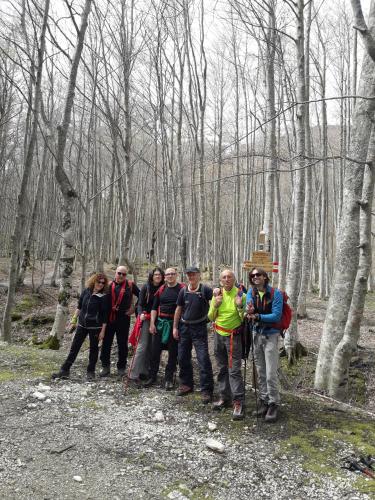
91	440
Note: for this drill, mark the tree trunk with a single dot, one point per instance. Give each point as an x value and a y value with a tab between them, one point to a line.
295	258
338	383
69	195
22	198
347	251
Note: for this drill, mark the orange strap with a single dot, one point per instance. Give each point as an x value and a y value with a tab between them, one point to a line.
222	329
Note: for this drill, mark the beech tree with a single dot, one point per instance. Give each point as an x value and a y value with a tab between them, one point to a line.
347	291
30	141
68	192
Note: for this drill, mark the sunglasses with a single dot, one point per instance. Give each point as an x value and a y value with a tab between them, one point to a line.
101	282
171	274
121	274
256	275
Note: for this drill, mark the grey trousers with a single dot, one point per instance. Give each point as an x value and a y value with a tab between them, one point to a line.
229	380
266	353
141	365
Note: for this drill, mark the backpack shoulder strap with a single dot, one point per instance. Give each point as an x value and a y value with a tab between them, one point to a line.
159	291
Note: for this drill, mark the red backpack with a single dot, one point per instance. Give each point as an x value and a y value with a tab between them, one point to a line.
286	316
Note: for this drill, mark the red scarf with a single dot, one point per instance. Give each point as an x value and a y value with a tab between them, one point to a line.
116	303
136	332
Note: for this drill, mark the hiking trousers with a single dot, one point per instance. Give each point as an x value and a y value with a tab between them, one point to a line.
266	354
230	380
79	338
120	328
156	350
141	365
195	335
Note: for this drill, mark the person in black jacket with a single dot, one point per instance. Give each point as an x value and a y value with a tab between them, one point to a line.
141	364
92	314
120	298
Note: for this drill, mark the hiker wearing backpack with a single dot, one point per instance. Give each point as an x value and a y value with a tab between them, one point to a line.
227	311
120	297
190	329
161	323
141	363
264	306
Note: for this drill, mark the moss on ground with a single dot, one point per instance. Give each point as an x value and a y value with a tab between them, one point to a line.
24	361
198	493
37	320
52	343
15	316
323	438
316	433
6	376
27	303
302	373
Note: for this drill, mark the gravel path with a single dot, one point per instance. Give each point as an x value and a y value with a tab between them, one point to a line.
90	441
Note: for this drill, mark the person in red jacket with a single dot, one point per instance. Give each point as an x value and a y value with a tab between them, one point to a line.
120	297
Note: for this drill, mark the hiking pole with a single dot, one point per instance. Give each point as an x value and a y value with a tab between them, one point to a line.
126	381
245	366
251	328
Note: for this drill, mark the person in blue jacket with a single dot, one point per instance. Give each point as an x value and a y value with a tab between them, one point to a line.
264	306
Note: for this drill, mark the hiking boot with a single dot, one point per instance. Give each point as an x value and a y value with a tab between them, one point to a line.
262	409
151	381
183	390
206	397
105	371
272	413
238	410
121	372
63	374
222	403
169	385
90	375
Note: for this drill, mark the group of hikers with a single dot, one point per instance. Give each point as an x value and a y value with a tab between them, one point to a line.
173	316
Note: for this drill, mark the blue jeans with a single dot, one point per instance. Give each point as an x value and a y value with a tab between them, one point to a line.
195	335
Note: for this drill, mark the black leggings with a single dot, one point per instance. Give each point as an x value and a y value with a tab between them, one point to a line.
78	340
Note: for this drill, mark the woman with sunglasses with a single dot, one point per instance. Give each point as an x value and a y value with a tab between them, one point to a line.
91	316
141	364
264	306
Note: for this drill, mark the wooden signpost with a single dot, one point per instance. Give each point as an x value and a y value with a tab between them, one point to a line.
261	258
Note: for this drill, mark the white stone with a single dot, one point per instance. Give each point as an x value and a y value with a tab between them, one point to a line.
214	445
176	495
212	426
78	479
39	395
43	387
159	417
